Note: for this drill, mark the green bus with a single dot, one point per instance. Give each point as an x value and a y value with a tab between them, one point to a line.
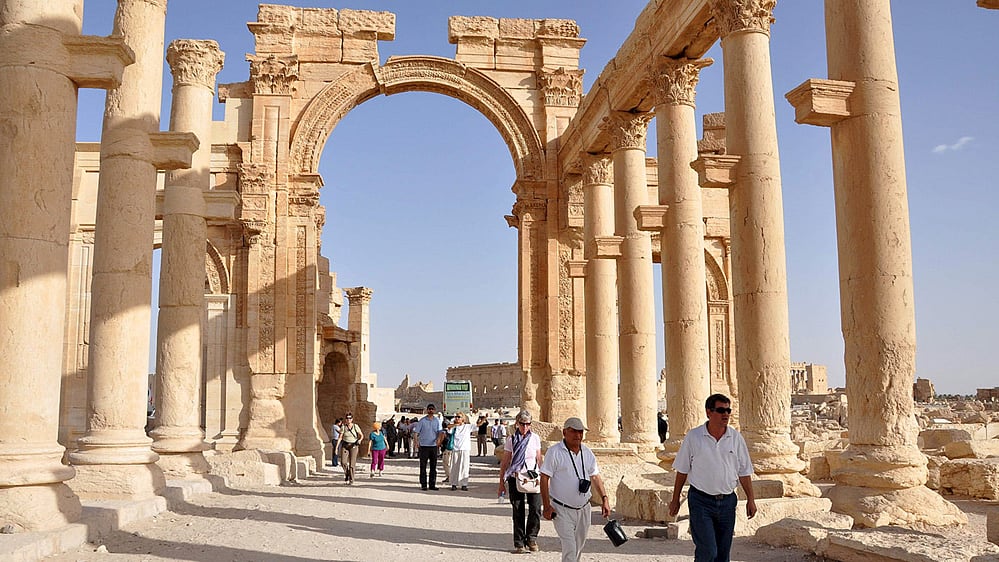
457	397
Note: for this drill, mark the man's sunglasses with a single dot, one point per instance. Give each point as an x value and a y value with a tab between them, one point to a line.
722	410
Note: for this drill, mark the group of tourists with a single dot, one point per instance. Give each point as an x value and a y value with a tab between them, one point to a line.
559	485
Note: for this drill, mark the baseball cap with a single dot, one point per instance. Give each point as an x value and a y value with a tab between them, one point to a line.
574	423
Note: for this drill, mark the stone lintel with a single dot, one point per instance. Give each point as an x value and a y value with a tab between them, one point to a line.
715	170
604	247
651	217
577	268
221	205
821	102
717	228
97	62
173	151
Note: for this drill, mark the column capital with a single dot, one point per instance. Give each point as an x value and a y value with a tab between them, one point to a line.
562	87
255	177
359	295
676	79
597	169
194	62
530	209
627	129
732	16
273	74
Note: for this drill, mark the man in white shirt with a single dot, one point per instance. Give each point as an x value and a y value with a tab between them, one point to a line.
569	476
715	459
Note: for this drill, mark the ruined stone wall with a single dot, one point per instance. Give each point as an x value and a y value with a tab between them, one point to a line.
494	385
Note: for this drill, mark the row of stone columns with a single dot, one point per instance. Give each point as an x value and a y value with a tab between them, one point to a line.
114	458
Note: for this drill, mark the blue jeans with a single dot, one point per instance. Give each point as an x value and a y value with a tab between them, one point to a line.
712	524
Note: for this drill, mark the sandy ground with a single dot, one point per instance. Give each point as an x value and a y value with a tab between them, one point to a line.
380	519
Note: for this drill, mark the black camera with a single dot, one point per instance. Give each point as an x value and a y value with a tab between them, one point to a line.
584	486
532	474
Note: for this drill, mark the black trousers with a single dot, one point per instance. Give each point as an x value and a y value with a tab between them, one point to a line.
526	514
428	455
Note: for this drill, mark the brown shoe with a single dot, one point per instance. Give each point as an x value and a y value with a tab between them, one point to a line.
519	550
533	547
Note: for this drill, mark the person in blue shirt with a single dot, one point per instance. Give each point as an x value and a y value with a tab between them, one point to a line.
378	449
430	434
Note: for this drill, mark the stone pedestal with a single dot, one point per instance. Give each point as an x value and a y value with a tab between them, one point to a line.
759	270
43	60
636	332
601	304
114	458
178	437
685	306
881	476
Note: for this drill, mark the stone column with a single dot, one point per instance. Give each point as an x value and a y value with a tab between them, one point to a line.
114	459
685	306
759	274
43	60
881	476
358	320
637	332
600	296
178	436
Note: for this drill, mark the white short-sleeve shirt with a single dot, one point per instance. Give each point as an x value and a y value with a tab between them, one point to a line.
711	466
530	454
563	483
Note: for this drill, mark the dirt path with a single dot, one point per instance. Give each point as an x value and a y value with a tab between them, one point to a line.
381	519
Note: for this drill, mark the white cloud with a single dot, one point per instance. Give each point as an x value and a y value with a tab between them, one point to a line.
961	142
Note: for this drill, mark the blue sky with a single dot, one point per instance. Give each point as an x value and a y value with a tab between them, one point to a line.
417	184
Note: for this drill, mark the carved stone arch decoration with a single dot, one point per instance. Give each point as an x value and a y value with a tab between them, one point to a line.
215	271
422	74
717	284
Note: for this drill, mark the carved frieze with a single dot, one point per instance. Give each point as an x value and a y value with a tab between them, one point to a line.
301	295
303	205
194	62
255	178
597	169
558	28
530	210
742	15
676	80
627	129
562	87
265	308
273	74
565	343
252	231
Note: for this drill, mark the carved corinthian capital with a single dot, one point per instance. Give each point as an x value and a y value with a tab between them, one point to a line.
358	295
742	15
561	87
273	74
627	129
597	169
194	63
676	79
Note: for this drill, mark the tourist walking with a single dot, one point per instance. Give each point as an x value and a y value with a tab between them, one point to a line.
461	450
522	459
402	429
414	439
430	433
481	434
569	476
349	444
335	440
391	435
715	459
378	449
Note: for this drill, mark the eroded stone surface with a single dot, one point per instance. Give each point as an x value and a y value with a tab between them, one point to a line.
978	478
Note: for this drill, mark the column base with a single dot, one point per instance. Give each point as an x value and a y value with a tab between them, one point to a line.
40	507
170	439
183	465
796	485
117	481
668	454
907	507
273	443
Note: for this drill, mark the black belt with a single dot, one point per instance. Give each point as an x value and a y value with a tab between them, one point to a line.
564	505
712	496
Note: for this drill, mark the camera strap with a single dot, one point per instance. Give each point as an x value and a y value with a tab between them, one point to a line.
571	460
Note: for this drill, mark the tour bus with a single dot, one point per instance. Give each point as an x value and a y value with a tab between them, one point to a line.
457	397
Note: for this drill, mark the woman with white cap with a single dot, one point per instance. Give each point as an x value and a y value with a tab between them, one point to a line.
522	460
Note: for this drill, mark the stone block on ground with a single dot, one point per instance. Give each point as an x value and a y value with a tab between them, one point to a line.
818	469
897	544
938	437
972	449
977	478
678	530
933	464
37	545
772	510
808	531
103	517
245	468
285	461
